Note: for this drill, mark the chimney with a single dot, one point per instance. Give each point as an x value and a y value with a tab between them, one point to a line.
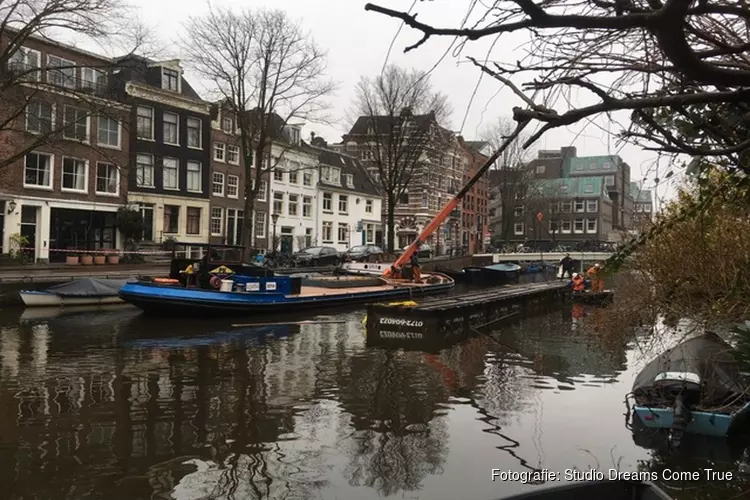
312	137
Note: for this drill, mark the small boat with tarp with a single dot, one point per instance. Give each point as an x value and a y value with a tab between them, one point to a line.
493	275
590	297
209	283
618	489
696	387
80	292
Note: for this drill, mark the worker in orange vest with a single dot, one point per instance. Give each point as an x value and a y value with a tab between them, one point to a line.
597	284
579	284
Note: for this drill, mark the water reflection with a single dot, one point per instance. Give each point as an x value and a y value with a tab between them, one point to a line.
115	405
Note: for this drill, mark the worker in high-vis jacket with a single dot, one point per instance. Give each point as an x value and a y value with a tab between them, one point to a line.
594	273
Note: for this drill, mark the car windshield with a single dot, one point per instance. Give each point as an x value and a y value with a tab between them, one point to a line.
312	250
360	248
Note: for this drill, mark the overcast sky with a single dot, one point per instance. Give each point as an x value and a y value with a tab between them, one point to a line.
358	44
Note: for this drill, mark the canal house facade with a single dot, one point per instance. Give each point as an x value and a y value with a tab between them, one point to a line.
71	139
228	181
170	150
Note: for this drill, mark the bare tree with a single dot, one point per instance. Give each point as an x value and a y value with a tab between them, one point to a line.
509	178
29	87
398	114
270	73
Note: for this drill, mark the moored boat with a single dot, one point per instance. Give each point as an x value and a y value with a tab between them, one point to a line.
207	287
617	489
80	292
696	387
591	297
493	275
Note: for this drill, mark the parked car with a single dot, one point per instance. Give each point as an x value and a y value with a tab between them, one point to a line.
425	251
364	253
317	256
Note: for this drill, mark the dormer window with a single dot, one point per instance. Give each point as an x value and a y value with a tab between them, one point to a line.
331	175
170	79
349	179
226	125
292	134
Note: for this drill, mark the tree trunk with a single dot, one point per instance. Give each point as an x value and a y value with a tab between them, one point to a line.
391	223
247	222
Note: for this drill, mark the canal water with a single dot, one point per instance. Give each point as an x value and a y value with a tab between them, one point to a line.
116	405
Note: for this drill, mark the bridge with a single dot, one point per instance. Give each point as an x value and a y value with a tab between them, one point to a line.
548	257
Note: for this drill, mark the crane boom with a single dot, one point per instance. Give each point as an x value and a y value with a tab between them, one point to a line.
453	203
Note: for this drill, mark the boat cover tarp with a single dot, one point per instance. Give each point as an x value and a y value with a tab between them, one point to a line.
709	356
89	287
504	267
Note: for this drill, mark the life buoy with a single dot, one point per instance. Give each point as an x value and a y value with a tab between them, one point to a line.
215	282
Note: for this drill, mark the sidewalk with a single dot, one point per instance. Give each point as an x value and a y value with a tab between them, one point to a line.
63	272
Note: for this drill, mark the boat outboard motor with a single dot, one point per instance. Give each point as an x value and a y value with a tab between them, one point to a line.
681	390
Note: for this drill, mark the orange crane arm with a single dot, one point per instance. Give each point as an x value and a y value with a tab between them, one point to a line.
453	203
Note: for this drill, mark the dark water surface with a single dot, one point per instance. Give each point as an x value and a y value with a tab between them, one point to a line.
119	406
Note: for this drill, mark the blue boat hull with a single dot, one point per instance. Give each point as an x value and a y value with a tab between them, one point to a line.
181	301
700	422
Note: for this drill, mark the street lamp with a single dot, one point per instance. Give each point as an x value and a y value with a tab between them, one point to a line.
274	219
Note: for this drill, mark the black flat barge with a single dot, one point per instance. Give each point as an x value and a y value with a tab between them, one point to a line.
437	323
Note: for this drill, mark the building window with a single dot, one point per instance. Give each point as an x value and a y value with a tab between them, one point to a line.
293	172
217	221
278	174
194	177
579	206
578	226
194	137
226	125
278	203
331	175
590	225
171	129
93	79
307	178
171	219
107	179
647	208
233	155
109	132
425	199
609	180
193	220
76	124
262	191
567	206
260	224
368	206
328	202
518	228
145	123
37	171
170	173
293	204
74	175
170	79
565	226
144	170
307	206
217	188
219	151
343	204
639	208
588	188
327	232
26	61
40	117
292	134
343	233
518	211
349	179
308	237
370	231
540	169
233	186
592	206
65	75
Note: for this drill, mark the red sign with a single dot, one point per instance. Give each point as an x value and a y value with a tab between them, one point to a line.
539	216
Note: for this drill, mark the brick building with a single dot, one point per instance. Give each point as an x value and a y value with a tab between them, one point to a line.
228	180
476	205
72	144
